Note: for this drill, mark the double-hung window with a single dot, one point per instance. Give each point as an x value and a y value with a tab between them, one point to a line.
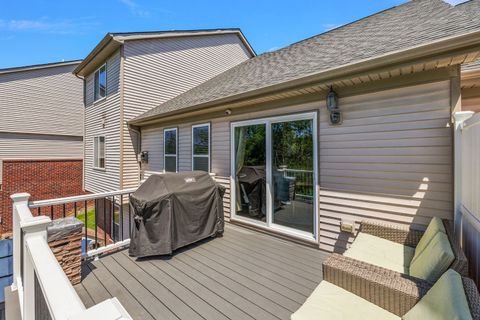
100	83
170	147
201	147
99	152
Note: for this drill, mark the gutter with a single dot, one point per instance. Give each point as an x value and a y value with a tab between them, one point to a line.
471	74
39	66
192	33
443	46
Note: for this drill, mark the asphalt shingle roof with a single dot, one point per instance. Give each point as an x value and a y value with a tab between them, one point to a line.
414	23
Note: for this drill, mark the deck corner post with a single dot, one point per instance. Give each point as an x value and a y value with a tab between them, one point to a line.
17	199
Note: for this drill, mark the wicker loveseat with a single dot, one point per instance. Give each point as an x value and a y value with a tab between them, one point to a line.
383	280
422	254
451	297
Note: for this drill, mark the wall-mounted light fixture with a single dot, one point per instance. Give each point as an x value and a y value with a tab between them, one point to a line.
333	108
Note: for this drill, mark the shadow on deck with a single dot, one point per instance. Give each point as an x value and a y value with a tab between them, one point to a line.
242	275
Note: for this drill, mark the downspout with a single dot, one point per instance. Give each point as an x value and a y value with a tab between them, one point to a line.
84	130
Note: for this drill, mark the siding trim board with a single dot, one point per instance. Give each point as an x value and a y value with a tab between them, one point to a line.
398	170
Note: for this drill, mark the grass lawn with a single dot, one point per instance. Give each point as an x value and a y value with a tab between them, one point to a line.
90	218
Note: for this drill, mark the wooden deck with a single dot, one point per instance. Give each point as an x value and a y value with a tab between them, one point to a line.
243	275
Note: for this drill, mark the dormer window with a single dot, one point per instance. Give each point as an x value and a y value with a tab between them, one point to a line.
100	89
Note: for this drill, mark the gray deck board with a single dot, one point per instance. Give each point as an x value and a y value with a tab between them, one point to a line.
282	255
281	264
298	284
116	289
243	275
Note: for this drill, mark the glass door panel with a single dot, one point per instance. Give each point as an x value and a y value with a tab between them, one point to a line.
292	169
250	171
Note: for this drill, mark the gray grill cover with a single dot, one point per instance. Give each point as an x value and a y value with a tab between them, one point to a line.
173	210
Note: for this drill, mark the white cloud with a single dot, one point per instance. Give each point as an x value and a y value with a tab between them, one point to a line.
330	26
273	49
455	2
46	25
135	8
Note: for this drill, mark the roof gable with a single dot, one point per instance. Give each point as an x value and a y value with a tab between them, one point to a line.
112	41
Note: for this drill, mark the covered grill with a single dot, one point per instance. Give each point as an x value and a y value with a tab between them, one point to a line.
173	210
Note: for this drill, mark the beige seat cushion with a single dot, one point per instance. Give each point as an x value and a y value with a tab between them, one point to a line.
435	225
381	252
434	260
446	300
334	303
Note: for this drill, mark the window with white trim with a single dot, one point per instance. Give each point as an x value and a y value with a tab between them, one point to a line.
201	147
100	83
170	146
99	152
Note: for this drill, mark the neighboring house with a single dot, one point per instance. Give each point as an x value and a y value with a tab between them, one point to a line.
127	74
264	129
41	133
471	87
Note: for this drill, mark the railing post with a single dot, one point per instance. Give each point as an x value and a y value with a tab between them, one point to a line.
460	118
35	227
17	199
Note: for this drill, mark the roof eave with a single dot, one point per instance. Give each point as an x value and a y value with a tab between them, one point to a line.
471	74
445	45
107	45
39	66
192	33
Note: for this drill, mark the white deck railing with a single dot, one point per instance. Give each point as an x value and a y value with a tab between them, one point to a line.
117	199
467	187
34	262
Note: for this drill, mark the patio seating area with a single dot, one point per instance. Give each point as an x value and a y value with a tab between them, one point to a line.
242	275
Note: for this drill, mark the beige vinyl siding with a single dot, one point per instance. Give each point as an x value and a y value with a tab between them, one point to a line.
102	118
390	160
42	101
29	146
157	70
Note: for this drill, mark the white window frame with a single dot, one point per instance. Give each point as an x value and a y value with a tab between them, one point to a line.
96	147
209	144
170	154
95	89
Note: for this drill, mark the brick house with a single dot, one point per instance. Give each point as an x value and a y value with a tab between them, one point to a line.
41	140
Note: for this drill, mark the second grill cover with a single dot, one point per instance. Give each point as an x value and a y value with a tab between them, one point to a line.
173	210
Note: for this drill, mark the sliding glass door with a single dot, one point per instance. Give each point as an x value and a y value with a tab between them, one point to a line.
250	164
274	173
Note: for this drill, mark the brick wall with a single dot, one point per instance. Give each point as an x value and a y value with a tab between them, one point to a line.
43	179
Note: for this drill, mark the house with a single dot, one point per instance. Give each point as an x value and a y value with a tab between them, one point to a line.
296	167
41	133
127	74
359	123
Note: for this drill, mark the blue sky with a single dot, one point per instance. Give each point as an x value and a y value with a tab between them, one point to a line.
42	31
